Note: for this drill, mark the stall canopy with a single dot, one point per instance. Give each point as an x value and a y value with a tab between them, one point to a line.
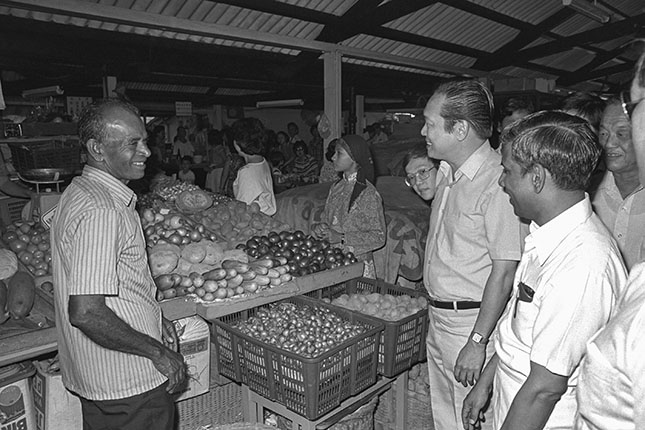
237	52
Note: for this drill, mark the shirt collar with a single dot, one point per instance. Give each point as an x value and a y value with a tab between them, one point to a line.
121	191
546	238
351	177
471	166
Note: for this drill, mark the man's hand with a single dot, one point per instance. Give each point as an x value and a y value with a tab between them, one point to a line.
472	410
169	335
171	364
469	363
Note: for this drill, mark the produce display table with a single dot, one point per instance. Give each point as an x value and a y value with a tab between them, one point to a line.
182	307
253	406
406	215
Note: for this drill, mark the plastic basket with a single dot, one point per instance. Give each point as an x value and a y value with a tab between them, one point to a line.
222	404
403	343
46	153
310	387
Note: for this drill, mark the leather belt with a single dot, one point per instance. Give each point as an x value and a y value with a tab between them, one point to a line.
454	305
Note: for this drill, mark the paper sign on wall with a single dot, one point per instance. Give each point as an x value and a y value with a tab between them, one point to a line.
183	108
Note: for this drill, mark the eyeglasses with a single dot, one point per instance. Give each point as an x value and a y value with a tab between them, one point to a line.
627	104
420	175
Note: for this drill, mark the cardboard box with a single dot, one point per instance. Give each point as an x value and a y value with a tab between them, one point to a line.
16	406
194	345
56	408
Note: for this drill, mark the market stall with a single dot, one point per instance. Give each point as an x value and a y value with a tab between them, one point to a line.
221	261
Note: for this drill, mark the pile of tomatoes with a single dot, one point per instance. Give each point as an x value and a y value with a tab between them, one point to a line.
30	241
304	253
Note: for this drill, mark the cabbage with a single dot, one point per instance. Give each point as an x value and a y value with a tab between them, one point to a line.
8	263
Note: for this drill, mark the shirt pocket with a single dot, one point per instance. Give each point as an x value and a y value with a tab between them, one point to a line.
523	319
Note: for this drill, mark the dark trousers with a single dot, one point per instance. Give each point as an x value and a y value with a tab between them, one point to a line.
154	409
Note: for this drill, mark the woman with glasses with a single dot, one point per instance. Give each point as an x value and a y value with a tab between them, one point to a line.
420	171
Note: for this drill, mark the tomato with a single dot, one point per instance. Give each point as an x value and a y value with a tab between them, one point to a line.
25	228
9	236
41	265
25	257
175	238
32	248
25	238
40	272
36	239
17	245
195	236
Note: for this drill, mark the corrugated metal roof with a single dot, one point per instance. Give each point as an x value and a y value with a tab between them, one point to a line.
373	43
530	11
457	35
445	23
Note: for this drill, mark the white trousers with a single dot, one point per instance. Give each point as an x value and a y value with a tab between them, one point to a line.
448	332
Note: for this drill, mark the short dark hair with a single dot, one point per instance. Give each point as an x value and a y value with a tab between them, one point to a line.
516	104
91	124
586	106
300	144
250	136
331	149
187	158
563	144
417	151
470	101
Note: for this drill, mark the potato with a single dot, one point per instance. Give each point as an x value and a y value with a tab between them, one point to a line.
194	252
162	262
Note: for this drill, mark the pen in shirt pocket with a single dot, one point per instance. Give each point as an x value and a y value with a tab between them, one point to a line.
524	294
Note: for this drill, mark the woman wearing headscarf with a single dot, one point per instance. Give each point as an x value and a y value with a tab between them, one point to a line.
354	218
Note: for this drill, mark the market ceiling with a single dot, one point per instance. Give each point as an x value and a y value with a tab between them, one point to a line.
236	52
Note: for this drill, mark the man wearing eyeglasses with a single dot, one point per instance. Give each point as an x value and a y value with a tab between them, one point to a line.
473	246
620	198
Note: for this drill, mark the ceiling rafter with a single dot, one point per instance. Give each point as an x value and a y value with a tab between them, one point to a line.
356	20
283	9
600	59
596	35
600	73
525	37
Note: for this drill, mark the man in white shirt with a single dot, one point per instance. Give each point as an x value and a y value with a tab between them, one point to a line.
611	391
566	284
620	198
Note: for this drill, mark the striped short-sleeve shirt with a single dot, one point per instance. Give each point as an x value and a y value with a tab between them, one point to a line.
98	248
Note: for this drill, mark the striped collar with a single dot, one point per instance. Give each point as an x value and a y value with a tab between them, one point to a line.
117	188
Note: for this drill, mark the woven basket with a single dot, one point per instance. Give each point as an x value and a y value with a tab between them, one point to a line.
221	405
361	419
419	412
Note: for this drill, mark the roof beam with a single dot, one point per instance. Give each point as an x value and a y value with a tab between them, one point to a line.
598	73
356	20
119	15
489	14
283	9
599	34
600	59
524	38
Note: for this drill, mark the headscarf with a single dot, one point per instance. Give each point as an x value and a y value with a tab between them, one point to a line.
358	149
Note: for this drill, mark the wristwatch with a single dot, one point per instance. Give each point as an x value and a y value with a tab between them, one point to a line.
478	338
